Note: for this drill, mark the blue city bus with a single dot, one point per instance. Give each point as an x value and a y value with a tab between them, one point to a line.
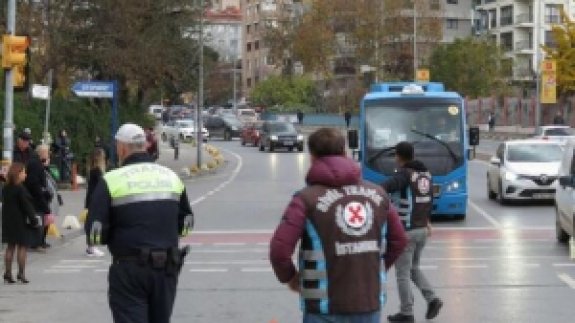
433	120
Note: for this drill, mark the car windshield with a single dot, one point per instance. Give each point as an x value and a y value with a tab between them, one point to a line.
232	121
247	114
185	124
435	129
282	127
534	153
559	132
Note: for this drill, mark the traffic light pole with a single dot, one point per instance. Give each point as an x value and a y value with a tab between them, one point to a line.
200	90
9	92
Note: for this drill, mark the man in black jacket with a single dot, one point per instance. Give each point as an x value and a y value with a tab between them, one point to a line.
413	191
35	183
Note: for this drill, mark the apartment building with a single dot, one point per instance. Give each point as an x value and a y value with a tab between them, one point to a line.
519	27
223	31
457	19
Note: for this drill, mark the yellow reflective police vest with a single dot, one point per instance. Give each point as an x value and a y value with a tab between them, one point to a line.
143	182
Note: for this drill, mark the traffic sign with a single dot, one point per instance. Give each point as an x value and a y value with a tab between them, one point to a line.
40	92
94	89
422	75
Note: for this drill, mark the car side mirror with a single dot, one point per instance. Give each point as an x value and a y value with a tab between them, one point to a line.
566	181
352	139
473	136
495	161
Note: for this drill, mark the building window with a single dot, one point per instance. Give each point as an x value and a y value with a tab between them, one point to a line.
249	82
549	40
434	5
452	1
269	60
248	29
257	45
506	41
452	23
553	13
256	27
492	18
506	16
249	47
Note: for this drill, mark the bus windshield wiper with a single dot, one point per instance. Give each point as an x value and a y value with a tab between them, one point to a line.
441	142
379	153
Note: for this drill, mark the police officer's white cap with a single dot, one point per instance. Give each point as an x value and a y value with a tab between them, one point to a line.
130	133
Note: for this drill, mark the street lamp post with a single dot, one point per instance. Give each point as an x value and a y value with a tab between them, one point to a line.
200	89
538	26
414	40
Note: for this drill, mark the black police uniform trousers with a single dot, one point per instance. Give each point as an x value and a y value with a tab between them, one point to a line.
139	293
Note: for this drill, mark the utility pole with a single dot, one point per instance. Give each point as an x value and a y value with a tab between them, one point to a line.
200	89
48	101
414	40
9	92
538	26
234	106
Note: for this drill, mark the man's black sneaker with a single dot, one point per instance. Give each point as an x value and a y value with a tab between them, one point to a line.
433	308
401	318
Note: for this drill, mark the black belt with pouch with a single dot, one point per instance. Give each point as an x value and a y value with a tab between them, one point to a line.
171	260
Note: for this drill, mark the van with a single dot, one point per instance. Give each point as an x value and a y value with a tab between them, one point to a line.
564	197
156	111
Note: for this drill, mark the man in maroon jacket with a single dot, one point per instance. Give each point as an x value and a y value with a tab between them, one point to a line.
345	227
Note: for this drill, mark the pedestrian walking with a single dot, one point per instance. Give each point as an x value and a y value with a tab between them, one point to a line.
49	192
36	185
347	117
558	119
138	211
152	143
412	187
97	165
491	121
61	147
299	116
17	221
344	225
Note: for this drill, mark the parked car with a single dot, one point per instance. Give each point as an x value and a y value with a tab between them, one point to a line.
247	115
251	134
223	126
555	133
182	129
276	134
565	197
524	169
156	111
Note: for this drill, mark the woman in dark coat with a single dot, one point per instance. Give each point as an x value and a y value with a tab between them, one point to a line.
17	220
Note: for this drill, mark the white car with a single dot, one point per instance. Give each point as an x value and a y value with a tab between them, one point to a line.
565	196
182	129
524	170
561	134
156	111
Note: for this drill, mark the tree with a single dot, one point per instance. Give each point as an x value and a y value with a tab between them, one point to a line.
563	53
473	67
285	91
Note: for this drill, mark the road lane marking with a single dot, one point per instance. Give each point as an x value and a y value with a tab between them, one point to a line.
567	280
469	266
82	260
564	265
101	270
428	267
256	270
209	270
486	215
72	266
61	271
229	244
235	173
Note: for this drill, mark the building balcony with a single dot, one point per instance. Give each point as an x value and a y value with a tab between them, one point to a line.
524	46
524	20
523	74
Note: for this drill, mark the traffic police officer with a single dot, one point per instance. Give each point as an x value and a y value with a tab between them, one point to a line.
411	184
139	210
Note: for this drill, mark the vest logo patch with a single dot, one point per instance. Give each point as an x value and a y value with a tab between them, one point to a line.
354	219
424	185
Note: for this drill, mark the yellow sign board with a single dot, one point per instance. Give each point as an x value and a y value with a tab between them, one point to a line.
422	75
548	81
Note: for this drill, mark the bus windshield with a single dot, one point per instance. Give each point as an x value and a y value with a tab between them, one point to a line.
434	129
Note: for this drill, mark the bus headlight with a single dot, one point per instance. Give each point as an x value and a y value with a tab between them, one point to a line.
455	185
299	137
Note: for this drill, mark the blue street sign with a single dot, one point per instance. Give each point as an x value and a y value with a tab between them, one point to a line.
94	89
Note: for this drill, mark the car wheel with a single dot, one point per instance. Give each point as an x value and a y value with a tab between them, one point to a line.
460	217
262	148
501	196
300	148
227	135
561	235
290	148
164	137
490	194
271	147
243	142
